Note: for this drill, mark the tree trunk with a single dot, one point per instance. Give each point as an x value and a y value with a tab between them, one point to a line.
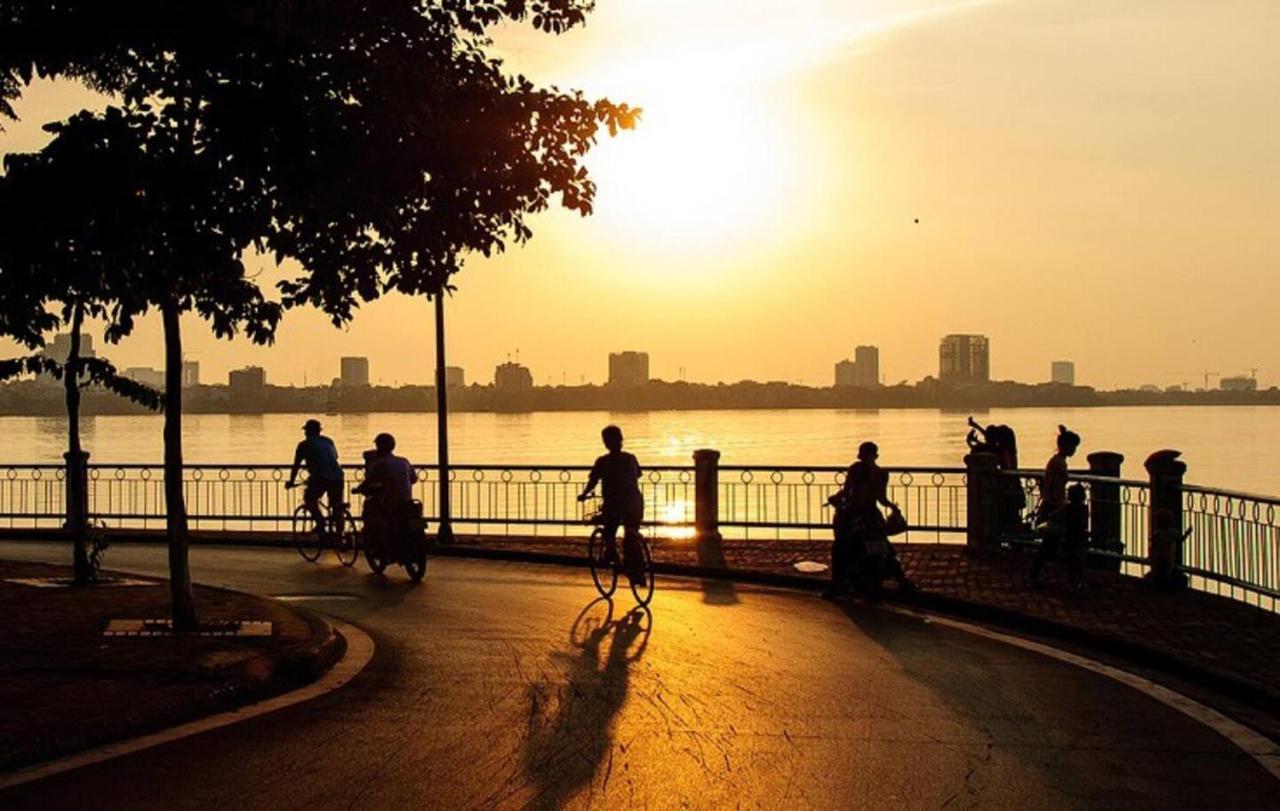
184	604
77	509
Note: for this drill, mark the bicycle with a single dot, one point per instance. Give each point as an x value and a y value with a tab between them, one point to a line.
340	536
607	564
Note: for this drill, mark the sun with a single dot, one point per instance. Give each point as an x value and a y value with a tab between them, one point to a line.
706	165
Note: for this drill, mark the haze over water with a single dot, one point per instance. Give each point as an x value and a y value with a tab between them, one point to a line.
1230	447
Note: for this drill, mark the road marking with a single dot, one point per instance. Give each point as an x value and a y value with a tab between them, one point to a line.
359	651
1254	744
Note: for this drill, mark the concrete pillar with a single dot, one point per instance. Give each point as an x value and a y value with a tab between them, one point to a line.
1166	470
982	491
1104	508
706	495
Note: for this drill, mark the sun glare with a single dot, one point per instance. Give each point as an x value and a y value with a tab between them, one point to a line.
706	164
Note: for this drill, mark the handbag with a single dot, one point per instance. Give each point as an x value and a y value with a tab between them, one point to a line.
895	524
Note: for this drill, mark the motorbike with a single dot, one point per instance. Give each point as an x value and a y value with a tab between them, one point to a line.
396	535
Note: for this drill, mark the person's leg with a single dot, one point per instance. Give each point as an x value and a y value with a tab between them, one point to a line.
311	499
1048	551
609	536
334	491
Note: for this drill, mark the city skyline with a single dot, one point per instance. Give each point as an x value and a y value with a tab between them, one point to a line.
855	134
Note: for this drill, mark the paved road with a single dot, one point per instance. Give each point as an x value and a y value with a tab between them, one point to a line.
505	685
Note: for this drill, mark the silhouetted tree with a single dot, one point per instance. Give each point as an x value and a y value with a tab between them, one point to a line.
56	266
376	143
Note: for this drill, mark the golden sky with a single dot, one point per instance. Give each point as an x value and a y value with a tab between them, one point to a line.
1094	180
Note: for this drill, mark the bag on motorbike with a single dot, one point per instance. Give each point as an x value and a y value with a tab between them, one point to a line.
895	524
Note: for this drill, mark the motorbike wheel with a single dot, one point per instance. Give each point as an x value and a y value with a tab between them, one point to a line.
377	564
416	565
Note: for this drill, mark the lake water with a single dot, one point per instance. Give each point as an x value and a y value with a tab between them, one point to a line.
1232	447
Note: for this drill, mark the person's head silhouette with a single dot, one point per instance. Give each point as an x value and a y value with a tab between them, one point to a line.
311	428
868	451
385	443
1068	441
612	436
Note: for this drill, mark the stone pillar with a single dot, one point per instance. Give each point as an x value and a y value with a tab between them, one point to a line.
1166	471
706	495
982	490
1104	508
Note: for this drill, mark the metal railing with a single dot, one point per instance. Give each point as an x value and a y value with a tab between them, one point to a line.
788	502
1233	545
1234	542
485	499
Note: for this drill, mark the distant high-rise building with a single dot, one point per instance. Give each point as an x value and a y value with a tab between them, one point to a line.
964	359
60	347
145	375
846	373
354	372
867	361
454	377
191	373
863	371
1238	383
512	377
629	368
1062	371
249	380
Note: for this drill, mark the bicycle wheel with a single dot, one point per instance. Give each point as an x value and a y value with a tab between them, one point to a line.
347	544
304	533
643	588
377	564
604	571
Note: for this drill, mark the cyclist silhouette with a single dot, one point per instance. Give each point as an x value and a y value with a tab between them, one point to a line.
324	474
619	472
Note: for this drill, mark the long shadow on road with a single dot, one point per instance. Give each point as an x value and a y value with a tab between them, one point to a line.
571	723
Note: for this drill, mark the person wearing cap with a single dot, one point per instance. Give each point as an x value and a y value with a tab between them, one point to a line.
324	474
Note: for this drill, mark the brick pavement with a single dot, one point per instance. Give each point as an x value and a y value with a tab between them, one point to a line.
1209	635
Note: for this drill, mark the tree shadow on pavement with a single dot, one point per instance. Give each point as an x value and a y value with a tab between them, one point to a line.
571	724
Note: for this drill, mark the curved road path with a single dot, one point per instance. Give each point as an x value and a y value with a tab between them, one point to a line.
506	685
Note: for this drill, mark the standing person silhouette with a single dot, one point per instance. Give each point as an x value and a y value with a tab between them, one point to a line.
619	472
1053	500
324	474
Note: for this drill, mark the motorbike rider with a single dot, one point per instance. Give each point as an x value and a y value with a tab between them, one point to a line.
387	486
859	523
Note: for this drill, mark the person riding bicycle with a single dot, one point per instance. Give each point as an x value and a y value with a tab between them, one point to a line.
619	472
387	486
324	474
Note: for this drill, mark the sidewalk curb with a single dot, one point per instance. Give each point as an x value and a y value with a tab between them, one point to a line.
1247	690
260	678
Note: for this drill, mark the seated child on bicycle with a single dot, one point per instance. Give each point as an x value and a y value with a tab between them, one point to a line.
619	472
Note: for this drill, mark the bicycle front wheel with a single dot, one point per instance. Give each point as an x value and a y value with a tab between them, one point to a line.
304	534
604	571
642	588
347	544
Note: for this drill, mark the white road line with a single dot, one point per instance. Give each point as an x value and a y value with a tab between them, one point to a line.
359	651
1256	745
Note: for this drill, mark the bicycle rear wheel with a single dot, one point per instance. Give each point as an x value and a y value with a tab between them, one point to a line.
304	534
643	588
346	545
604	571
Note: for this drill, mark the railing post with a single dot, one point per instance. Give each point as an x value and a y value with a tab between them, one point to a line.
706	503
1104	509
982	488
1166	471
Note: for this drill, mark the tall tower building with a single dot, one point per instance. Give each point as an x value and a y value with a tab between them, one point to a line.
964	359
628	368
354	371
